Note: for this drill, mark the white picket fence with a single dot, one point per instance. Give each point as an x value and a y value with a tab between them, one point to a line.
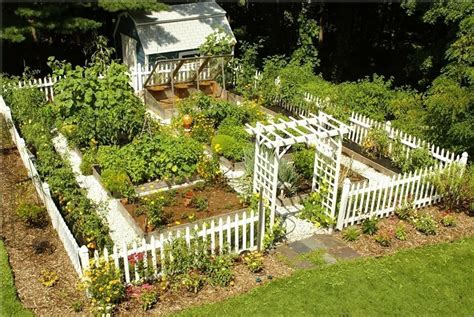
228	233
361	125
364	200
65	235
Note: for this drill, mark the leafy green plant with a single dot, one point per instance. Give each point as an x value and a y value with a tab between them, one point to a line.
103	281
351	234
208	168
254	261
370	225
96	103
202	129
32	214
193	281
303	160
152	208
229	147
314	210
217	43
117	182
400	232
200	203
376	143
405	212
416	159
426	224
77	306
148	299
448	220
289	180
220	270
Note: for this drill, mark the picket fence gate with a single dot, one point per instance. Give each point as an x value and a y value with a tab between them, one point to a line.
229	233
65	235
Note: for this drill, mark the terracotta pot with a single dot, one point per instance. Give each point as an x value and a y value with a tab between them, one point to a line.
124	201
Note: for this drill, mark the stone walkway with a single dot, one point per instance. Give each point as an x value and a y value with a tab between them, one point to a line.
332	250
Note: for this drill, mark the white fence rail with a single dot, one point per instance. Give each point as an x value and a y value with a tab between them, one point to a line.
234	233
65	235
364	200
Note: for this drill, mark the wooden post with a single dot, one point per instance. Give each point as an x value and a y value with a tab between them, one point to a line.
261	222
343	205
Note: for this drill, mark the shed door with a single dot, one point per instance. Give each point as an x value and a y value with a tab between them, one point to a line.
129	51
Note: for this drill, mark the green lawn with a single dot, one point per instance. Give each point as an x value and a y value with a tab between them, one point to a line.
435	281
9	303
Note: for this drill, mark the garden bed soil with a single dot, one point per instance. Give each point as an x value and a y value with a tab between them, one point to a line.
27	265
174	301
221	200
383	165
367	246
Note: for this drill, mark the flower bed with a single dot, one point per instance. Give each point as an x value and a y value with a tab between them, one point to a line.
407	229
184	205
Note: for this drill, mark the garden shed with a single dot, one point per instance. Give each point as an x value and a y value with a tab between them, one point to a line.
145	37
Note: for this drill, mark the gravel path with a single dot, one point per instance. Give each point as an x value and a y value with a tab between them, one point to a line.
120	230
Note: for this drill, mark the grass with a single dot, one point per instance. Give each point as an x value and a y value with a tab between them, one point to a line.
435	281
9	303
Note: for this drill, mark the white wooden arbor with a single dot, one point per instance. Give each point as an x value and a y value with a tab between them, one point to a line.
272	141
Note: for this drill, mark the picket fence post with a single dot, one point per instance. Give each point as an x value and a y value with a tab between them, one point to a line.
343	205
463	160
84	256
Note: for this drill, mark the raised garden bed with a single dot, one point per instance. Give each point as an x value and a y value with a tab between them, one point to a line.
187	204
382	165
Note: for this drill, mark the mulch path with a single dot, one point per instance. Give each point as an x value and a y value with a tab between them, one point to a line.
27	266
367	246
171	302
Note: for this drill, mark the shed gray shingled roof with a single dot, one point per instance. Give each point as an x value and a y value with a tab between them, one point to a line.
183	27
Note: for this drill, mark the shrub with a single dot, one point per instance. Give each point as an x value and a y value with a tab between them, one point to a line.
103	282
400	232
117	182
376	143
417	159
384	238
370	225
314	210
32	214
253	261
351	234
152	208
232	127
448	220
405	211
86	164
425	224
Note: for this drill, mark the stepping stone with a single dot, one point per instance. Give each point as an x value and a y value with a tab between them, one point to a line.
299	247
329	258
313	243
329	240
344	253
286	251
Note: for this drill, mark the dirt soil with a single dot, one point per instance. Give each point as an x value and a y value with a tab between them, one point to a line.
367	246
174	301
27	265
221	199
